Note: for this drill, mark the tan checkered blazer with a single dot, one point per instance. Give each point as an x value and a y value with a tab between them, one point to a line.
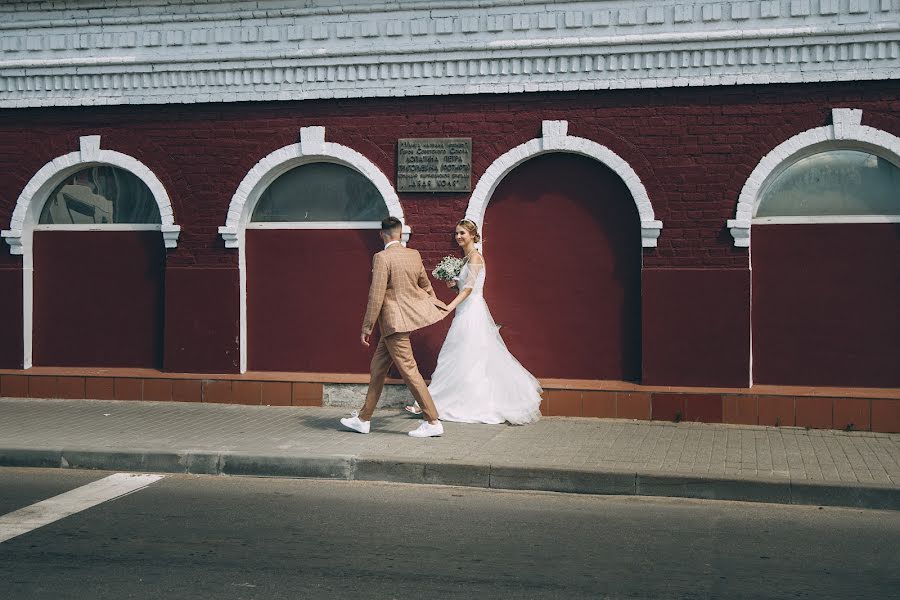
401	298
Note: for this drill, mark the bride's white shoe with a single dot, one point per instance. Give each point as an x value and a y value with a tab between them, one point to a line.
426	429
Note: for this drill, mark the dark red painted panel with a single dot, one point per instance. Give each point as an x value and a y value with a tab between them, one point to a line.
696	327
825	304
202	320
563	255
11	327
306	297
98	298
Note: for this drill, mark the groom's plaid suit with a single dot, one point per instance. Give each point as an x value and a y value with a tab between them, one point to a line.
402	300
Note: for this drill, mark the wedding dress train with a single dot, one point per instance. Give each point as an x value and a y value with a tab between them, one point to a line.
477	380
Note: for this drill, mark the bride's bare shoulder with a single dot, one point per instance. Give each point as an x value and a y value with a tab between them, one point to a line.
476	258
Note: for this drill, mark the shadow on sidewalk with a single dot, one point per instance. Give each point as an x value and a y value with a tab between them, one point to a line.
390	423
322	423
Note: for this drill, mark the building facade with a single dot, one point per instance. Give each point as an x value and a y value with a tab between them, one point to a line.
690	210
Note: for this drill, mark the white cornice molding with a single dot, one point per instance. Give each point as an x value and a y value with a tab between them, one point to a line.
140	52
555	138
846	131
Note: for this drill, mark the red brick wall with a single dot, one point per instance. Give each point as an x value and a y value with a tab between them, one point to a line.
692	148
696	327
202	320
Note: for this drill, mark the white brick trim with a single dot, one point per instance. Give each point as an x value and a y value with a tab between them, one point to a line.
846	131
31	201
555	138
311	148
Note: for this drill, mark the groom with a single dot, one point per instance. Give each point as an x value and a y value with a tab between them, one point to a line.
401	300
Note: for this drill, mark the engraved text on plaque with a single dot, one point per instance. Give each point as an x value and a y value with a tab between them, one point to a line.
434	165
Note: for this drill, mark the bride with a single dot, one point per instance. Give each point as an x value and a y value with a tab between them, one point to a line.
477	380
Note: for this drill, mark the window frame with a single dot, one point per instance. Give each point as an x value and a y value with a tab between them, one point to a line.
811	219
42	204
251	224
846	130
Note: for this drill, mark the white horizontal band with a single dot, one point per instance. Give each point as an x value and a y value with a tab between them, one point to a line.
826	219
99	227
316	225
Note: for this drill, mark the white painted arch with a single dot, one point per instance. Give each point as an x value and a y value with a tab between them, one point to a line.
311	148
845	132
555	138
31	201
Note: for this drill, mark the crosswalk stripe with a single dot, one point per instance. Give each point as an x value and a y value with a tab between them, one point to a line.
53	509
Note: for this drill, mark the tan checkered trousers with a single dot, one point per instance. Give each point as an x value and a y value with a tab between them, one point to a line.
401	298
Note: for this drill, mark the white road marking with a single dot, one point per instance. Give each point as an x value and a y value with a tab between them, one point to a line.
58	507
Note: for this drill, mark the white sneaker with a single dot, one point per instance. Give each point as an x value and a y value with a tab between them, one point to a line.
426	429
355	423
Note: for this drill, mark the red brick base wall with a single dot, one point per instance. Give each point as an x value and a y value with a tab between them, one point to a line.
854	409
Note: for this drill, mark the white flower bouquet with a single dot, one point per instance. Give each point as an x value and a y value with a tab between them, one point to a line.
448	269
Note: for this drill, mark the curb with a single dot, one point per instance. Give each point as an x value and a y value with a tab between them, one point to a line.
486	475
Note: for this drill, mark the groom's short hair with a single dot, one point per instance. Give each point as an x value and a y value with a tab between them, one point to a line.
391	224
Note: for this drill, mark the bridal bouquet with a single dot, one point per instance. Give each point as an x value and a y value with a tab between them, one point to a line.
448	269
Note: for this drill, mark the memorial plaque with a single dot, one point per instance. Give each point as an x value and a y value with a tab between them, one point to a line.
434	165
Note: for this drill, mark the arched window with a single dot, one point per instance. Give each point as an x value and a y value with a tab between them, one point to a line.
312	221
321	192
824	293
99	272
833	183
100	194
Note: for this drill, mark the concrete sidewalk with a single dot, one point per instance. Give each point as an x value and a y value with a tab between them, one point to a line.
597	456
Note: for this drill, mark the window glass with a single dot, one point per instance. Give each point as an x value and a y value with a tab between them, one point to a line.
100	194
838	182
321	191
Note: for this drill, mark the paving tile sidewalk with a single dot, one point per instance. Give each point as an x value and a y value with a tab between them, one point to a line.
789	465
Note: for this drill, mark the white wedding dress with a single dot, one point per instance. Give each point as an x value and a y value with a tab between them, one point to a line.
477	380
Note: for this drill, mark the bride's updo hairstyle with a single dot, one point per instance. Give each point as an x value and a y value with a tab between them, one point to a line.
471	227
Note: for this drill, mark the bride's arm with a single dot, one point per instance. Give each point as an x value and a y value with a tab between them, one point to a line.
475	265
459	298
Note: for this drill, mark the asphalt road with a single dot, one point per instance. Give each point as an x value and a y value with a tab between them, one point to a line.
224	537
